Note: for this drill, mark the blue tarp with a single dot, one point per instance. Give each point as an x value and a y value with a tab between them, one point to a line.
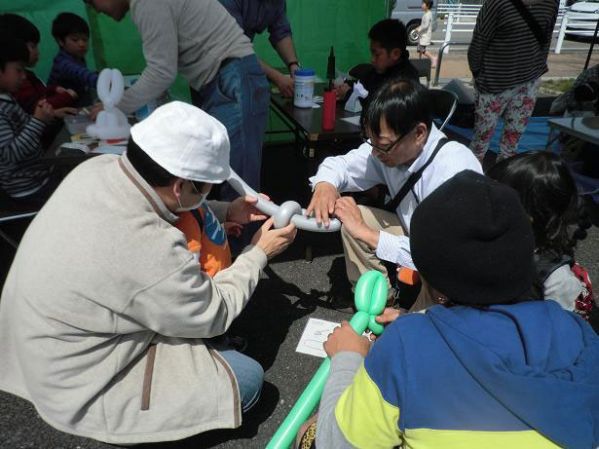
534	138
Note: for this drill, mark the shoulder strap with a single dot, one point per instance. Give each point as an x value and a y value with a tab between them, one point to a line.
532	23
413	179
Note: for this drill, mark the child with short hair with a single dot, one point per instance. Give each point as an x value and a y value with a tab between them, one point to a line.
389	57
548	193
425	31
206	238
20	176
69	68
32	88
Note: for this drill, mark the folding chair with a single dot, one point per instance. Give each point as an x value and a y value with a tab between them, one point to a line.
423	66
444	104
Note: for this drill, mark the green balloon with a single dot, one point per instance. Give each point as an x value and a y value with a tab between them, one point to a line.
370	298
359	320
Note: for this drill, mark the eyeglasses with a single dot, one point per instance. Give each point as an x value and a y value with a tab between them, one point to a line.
197	186
387	148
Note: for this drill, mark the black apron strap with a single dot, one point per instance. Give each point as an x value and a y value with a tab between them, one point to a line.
413	179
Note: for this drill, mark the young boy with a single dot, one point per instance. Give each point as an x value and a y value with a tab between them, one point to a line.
32	88
69	69
20	177
425	30
389	57
490	368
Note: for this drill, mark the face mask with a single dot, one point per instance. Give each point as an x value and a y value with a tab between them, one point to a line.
193	206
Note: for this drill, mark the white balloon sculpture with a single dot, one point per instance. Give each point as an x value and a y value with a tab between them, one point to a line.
111	123
288	212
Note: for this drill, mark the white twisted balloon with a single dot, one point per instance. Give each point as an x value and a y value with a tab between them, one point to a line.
111	123
288	212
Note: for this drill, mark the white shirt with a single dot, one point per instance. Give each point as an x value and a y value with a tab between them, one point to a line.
359	170
425	29
563	287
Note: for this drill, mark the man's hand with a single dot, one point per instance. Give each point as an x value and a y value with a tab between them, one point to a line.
243	210
348	212
285	84
62	112
44	111
273	241
388	316
344	338
323	202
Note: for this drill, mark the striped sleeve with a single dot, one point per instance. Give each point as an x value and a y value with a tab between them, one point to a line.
73	70
504	51
22	146
484	30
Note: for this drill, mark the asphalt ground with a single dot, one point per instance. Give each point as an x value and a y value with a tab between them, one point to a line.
291	291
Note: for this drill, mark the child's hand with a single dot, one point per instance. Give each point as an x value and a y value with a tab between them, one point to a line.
95	110
341	90
62	112
344	338
243	210
232	228
388	316
44	111
71	92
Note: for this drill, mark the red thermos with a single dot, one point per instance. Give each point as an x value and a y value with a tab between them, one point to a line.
328	110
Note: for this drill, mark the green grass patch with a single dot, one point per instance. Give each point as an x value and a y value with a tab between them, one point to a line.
558	85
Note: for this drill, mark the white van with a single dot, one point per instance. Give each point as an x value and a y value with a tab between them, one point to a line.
410	13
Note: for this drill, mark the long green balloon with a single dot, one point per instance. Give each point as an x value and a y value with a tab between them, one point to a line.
370	298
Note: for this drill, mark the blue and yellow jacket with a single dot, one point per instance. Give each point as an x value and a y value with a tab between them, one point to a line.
512	376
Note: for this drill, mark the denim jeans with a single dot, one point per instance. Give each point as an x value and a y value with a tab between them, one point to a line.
239	96
249	375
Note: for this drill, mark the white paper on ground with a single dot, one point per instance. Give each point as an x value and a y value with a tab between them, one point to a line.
355	120
314	335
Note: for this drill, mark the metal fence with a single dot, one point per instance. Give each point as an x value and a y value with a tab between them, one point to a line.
459	20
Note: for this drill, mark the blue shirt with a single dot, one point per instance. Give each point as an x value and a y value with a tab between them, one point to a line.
72	73
254	16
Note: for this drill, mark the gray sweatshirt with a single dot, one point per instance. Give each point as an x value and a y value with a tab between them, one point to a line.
343	369
191	37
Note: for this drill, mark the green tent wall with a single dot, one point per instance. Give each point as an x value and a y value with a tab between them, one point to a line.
316	24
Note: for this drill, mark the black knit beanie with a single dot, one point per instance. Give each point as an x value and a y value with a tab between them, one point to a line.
472	241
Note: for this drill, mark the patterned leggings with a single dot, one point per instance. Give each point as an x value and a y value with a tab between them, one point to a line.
515	106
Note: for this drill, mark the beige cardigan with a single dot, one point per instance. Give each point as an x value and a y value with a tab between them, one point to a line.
100	275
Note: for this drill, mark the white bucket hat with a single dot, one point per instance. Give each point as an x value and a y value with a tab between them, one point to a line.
186	142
